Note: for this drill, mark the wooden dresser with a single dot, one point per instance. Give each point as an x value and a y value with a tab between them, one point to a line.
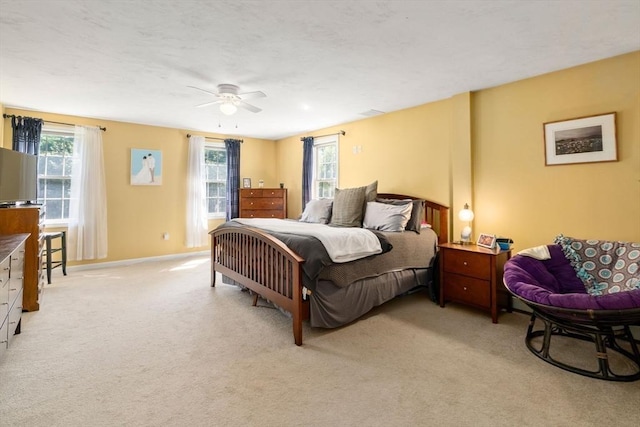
28	219
263	203
12	251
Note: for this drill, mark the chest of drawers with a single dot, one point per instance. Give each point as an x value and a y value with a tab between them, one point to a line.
472	275
263	203
12	256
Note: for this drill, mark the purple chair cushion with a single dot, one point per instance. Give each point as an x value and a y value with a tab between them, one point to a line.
554	282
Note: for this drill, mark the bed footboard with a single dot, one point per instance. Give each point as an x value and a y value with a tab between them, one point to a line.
263	264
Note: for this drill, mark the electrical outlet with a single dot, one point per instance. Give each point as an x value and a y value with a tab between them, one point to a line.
165	236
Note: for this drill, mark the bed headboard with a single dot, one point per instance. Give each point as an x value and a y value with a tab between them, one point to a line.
434	213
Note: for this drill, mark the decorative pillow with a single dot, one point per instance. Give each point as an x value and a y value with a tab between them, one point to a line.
387	217
347	207
318	211
605	267
417	212
371	192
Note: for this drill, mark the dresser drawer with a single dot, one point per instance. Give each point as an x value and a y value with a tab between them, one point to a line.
468	263
273	192
263	203
15	287
4	300
4	289
15	314
17	262
4	336
248	213
468	290
5	266
250	192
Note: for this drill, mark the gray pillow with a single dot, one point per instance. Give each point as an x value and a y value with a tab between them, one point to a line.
387	217
371	192
417	212
318	211
347	207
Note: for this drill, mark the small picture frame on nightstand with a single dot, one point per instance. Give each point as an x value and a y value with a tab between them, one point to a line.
246	182
487	240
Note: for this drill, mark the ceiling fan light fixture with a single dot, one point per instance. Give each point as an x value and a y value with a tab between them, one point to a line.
228	108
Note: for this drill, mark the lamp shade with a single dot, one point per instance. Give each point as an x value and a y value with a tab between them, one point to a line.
228	108
466	214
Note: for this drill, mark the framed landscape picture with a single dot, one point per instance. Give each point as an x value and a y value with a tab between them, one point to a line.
581	140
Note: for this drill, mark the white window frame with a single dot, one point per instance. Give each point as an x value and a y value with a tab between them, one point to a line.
67	131
318	143
214	146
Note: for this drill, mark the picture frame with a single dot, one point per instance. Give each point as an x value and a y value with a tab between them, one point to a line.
146	166
246	182
581	140
486	240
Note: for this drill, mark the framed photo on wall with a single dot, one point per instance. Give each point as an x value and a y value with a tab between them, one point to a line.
581	140
146	166
487	240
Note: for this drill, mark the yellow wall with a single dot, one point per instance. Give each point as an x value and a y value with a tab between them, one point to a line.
518	196
484	148
139	215
406	151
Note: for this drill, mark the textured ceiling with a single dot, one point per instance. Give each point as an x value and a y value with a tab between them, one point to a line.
320	63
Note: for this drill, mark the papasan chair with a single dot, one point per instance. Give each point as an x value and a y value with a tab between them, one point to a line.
581	289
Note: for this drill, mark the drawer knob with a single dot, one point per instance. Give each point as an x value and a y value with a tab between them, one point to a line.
464	262
465	288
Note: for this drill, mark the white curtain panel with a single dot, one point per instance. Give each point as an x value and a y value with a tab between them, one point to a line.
88	207
197	221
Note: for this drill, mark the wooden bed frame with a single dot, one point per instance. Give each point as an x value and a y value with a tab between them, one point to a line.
265	265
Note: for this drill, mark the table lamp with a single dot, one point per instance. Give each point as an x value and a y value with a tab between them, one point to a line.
466	215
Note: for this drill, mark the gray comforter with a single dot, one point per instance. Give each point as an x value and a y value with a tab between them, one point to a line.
400	251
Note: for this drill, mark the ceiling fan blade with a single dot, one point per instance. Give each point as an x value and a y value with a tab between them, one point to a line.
249	107
206	91
206	104
252	95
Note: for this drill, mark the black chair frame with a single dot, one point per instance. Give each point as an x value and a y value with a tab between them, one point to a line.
607	329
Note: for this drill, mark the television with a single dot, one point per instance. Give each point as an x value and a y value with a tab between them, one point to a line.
18	177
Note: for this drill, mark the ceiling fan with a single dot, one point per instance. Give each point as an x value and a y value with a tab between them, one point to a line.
229	99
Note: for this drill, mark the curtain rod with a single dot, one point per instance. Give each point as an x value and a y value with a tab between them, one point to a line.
11	116
329	134
213	137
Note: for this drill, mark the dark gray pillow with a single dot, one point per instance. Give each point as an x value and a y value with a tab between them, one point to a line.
417	212
318	211
386	216
347	207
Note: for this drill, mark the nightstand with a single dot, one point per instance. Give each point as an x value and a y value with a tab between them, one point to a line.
472	275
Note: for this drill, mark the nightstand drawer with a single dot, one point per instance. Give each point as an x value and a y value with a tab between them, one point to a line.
468	263
468	290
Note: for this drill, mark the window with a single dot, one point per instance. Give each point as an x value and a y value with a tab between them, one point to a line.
54	172
215	166
325	167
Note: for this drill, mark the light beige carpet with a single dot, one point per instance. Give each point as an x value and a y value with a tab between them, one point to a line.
152	344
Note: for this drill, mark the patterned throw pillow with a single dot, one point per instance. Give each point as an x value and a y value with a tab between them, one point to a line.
605	267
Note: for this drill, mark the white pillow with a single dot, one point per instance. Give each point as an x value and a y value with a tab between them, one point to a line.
385	217
318	211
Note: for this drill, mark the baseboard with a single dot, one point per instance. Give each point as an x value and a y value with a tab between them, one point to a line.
131	261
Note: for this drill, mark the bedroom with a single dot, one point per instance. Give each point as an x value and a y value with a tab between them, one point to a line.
489	171
483	147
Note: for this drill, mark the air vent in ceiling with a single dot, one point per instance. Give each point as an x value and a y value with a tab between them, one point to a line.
371	113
